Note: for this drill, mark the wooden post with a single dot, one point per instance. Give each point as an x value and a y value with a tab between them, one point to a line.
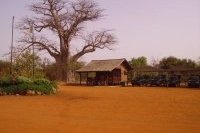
11	60
106	79
167	79
33	60
87	79
112	74
80	79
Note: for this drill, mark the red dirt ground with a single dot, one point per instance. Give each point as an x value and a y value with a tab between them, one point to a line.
103	110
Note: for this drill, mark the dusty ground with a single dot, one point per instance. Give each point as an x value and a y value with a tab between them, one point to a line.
103	110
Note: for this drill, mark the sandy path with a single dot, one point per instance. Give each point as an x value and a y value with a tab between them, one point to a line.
103	110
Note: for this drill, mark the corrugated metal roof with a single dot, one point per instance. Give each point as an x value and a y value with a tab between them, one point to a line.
103	65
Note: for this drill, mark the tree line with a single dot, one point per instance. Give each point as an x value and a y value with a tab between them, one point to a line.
165	63
44	68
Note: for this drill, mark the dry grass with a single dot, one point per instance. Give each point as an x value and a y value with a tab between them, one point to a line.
103	110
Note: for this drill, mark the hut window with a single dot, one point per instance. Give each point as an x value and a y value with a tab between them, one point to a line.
92	74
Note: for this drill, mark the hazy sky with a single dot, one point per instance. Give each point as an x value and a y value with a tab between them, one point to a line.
151	28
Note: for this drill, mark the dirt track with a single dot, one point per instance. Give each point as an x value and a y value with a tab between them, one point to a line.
103	110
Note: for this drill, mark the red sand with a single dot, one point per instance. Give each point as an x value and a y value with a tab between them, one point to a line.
103	110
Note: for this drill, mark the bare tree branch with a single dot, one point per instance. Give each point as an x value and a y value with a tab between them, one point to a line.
82	11
41	44
96	40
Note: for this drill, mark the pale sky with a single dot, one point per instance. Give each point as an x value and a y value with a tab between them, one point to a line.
151	28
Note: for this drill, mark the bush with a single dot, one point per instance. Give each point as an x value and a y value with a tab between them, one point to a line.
5	81
22	79
22	85
45	86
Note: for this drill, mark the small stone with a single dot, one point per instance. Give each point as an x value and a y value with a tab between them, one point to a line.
54	91
38	93
30	93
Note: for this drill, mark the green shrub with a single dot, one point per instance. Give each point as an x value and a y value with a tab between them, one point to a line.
22	79
21	85
22	88
45	86
1	91
6	80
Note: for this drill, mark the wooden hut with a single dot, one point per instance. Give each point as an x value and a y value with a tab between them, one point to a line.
105	72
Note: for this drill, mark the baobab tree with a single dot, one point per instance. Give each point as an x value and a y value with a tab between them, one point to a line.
66	20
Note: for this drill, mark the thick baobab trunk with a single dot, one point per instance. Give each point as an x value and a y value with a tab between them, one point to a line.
64	72
62	68
61	73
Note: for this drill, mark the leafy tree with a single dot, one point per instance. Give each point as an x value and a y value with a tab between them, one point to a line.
171	61
138	62
168	62
187	63
4	68
198	63
66	20
24	64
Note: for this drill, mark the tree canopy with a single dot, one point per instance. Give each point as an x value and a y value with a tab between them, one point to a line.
138	62
24	64
4	68
171	61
